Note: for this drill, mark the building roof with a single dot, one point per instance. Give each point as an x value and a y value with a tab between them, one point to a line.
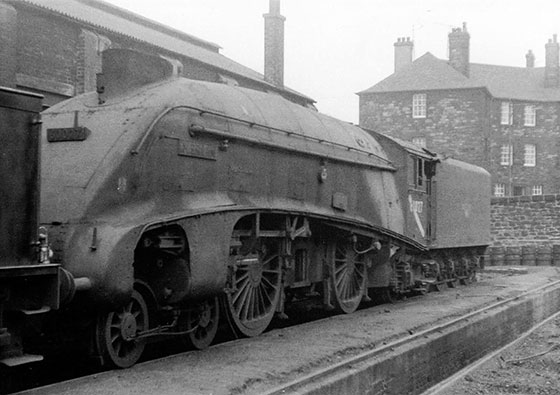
114	19
504	82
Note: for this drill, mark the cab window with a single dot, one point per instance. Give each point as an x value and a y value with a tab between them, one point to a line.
418	179
421	171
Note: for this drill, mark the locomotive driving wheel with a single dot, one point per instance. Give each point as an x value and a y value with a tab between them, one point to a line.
201	322
347	271
116	332
255	287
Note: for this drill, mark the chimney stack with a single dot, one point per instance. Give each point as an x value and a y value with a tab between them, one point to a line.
551	68
274	45
404	48
459	49
530	59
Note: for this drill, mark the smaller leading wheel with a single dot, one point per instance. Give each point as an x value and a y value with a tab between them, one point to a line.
347	276
116	333
201	322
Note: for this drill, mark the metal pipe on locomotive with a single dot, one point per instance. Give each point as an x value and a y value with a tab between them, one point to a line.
174	202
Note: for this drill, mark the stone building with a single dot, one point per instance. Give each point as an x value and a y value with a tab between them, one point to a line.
503	118
54	48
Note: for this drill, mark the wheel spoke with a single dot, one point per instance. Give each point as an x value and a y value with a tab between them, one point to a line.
111	333
340	278
348	276
261	307
340	268
252	307
250	304
241	278
240	291
201	322
245	293
268	283
271	256
267	296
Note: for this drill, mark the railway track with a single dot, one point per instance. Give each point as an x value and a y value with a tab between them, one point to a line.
519	361
355	350
340	371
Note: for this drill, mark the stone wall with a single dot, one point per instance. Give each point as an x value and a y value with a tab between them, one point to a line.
466	124
525	220
455	123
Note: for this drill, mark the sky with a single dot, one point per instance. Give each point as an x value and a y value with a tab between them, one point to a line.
336	48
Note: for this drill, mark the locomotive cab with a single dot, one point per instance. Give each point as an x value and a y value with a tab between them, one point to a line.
415	179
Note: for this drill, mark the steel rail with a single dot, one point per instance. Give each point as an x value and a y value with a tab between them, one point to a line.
346	365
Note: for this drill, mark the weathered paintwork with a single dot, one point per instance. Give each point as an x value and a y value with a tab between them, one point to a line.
201	155
151	150
462	218
19	159
27	281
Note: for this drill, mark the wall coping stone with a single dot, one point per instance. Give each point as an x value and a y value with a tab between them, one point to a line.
518	199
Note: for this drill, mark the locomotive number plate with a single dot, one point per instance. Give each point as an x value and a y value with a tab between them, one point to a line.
200	151
67	134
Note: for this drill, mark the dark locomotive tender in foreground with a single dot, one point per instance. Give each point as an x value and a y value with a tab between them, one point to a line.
169	201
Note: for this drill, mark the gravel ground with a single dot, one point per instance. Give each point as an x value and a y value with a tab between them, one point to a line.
530	366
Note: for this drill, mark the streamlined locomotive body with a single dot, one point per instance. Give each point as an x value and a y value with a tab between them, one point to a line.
171	202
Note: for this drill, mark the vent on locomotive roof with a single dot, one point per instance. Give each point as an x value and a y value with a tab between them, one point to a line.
124	70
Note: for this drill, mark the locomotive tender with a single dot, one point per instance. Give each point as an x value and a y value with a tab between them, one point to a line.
29	283
171	202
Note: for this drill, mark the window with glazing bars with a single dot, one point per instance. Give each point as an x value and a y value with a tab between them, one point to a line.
536	190
419	105
507	113
419	141
530	155
506	155
499	190
530	116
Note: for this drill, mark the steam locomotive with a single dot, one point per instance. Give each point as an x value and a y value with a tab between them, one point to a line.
168	204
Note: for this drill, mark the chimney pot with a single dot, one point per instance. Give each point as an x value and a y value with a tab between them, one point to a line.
459	49
552	67
404	49
530	57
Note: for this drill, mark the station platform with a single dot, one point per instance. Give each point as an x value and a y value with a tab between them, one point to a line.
404	347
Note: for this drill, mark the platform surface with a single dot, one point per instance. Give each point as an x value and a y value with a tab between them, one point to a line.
254	366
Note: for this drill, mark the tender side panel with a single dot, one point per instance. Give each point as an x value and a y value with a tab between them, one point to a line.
18	175
462	217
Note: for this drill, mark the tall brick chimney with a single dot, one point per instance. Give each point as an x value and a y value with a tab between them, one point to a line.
459	49
530	57
274	44
404	48
8	45
551	68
